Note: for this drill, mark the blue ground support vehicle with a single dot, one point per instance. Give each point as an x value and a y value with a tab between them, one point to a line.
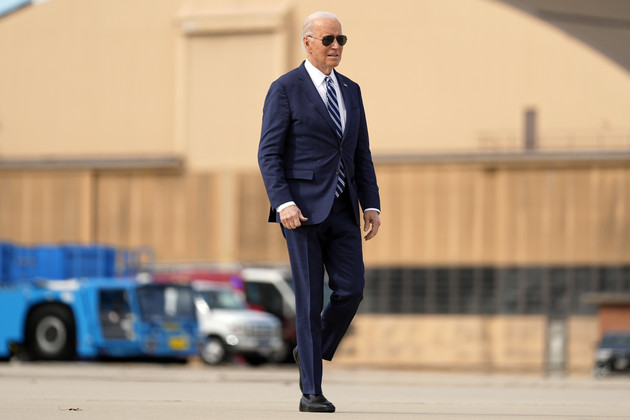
87	317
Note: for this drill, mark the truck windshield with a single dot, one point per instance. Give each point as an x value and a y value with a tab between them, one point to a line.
166	301
616	340
222	299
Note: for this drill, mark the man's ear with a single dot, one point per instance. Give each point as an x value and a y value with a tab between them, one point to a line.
306	42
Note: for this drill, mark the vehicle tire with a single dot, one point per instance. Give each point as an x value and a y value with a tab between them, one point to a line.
214	351
601	372
256	359
50	333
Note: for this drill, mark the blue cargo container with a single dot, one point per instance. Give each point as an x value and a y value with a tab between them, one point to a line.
72	261
5	261
57	262
23	264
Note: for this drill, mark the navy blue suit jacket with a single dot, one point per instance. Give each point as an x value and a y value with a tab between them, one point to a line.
299	152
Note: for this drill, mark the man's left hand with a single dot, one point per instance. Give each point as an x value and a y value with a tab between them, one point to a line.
372	222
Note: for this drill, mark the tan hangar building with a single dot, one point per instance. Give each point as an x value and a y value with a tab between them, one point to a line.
501	142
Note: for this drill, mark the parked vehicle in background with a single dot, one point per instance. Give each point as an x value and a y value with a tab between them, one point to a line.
267	289
47	315
613	353
271	290
97	317
230	327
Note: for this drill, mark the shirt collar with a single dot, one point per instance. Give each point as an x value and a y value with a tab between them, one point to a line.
316	75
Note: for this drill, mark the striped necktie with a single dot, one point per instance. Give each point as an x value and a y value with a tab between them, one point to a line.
333	109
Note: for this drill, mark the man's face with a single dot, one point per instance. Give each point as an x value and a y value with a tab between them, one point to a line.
324	58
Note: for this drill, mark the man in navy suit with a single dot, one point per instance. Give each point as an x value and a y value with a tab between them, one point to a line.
315	160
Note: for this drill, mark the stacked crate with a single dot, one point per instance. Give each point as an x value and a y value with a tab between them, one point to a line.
58	262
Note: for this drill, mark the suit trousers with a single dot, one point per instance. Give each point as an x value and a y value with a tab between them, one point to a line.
335	246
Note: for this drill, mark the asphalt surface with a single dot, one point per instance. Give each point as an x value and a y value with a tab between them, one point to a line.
86	390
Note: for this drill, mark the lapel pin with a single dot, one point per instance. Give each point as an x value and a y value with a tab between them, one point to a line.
345	85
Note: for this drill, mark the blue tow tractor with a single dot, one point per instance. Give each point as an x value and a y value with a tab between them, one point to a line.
89	317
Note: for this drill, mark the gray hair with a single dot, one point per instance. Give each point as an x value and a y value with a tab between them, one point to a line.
307	28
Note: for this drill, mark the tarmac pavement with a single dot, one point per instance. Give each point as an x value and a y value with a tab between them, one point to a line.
145	391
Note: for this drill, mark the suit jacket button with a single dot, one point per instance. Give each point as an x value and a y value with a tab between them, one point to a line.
336	172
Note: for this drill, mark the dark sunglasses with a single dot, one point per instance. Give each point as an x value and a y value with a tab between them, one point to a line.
329	39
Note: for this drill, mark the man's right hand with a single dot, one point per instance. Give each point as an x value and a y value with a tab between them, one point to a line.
291	217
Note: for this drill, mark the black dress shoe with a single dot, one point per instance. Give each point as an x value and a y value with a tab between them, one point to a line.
296	357
316	404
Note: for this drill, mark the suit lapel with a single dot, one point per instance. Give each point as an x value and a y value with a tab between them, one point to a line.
313	95
348	101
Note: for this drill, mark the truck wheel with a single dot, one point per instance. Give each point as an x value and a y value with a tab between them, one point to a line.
213	351
256	359
601	371
50	333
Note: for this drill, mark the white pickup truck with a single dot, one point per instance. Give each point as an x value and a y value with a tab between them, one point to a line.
231	328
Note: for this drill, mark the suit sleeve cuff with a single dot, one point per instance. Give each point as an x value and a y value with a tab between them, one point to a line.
377	210
285	205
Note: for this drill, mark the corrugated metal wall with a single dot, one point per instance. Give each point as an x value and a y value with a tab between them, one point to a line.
433	214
